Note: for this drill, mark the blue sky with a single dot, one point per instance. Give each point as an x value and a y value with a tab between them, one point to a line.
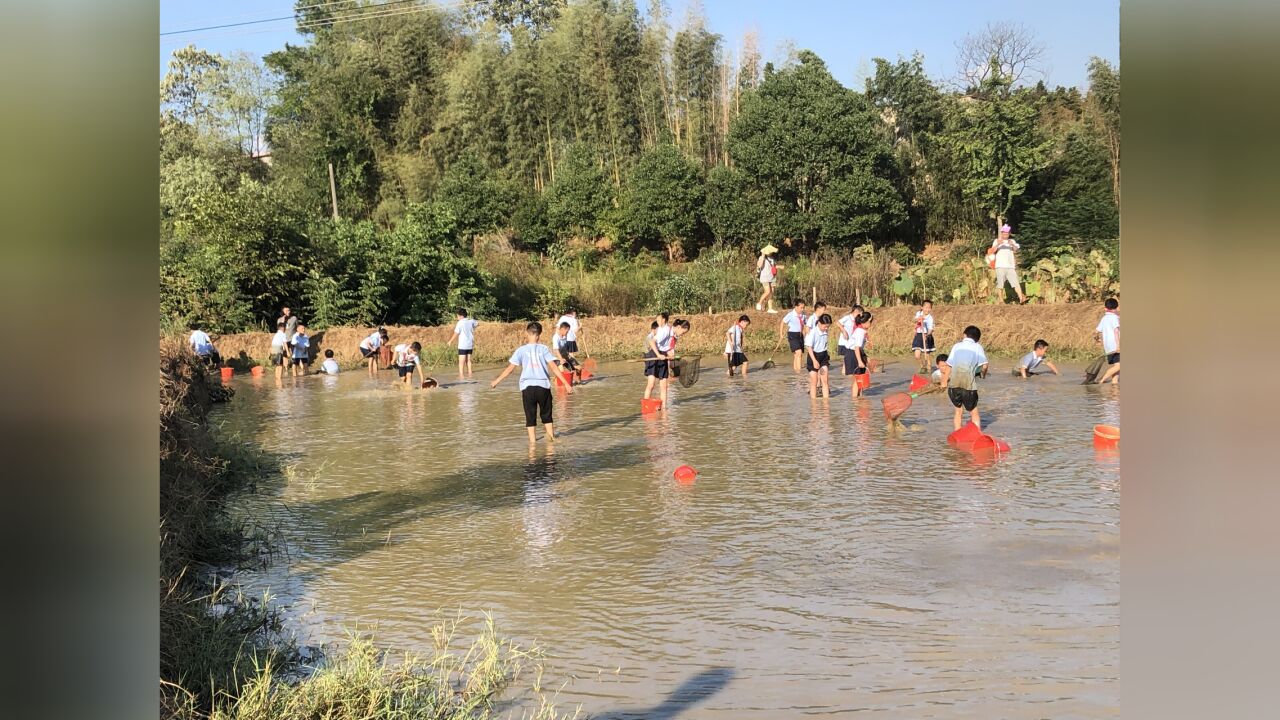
847	34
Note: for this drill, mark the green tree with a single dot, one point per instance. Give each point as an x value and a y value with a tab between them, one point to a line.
814	149
663	200
478	202
580	196
996	142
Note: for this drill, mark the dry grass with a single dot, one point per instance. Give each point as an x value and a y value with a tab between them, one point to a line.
1006	330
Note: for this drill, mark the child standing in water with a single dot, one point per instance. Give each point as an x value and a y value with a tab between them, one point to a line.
301	351
407	361
793	325
857	357
464	331
575	328
662	344
1108	333
819	309
922	340
279	347
733	347
369	348
558	343
818	360
967	360
535	360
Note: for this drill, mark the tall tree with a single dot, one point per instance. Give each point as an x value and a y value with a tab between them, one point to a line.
1102	109
663	200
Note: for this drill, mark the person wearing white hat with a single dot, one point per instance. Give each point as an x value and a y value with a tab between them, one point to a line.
1006	264
768	269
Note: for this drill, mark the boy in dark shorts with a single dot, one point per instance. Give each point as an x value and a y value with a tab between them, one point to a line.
536	363
301	351
793	326
407	361
818	360
733	345
967	360
560	343
1108	333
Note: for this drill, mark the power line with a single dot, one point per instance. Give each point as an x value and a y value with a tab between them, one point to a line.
295	16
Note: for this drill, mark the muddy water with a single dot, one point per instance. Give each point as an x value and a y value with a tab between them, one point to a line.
817	566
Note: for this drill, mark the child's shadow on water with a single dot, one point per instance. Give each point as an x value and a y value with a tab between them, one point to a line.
689	693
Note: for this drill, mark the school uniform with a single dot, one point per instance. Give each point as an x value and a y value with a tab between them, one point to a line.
535	382
202	345
279	342
369	346
923	338
1109	327
795	330
664	337
301	350
407	360
857	342
571	340
330	366
559	343
817	339
847	324
733	347
1030	361
466	329
966	359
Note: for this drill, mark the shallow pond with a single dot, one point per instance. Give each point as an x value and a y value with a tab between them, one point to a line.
818	565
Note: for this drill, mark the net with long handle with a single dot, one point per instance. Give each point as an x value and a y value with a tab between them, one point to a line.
686	369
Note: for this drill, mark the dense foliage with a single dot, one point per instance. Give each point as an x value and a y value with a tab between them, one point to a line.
605	147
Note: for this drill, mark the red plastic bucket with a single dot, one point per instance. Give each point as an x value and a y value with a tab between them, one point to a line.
257	370
648	405
918	382
227	373
987	443
1106	436
863	380
966	435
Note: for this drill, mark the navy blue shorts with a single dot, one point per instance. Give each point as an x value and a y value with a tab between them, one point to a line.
968	399
922	342
570	346
824	360
737	359
367	353
1113	358
462	352
404	370
795	340
660	369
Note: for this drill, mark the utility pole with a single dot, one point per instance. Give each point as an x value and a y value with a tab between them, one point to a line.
333	192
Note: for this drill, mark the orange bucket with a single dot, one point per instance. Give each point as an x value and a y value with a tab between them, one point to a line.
257	370
863	380
648	405
1106	436
918	382
990	444
227	373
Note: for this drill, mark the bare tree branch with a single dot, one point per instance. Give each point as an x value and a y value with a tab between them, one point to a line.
1013	46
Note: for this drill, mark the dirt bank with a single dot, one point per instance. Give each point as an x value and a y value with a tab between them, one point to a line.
1007	330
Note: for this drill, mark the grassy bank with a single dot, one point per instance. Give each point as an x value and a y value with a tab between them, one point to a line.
222	655
1007	330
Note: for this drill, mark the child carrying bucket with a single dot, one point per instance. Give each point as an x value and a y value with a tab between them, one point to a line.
560	343
856	364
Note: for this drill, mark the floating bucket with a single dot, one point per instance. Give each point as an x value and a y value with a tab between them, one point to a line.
918	382
648	405
863	380
685	474
966	435
1106	436
257	370
227	373
986	443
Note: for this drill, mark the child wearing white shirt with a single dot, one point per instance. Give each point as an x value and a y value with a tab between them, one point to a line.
818	360
279	346
856	359
1108	333
464	331
922	340
733	345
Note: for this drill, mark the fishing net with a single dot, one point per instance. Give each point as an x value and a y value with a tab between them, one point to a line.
895	405
686	369
1092	372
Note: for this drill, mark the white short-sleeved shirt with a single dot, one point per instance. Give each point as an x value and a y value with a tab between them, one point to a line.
330	366
812	321
558	341
278	341
733	343
301	343
766	270
859	338
937	376
816	339
1030	361
466	329
1109	326
573	326
966	358
532	359
794	321
664	337
200	342
373	342
845	323
409	358
926	322
1004	253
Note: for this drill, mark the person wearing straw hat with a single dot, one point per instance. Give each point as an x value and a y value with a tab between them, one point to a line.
768	269
1006	265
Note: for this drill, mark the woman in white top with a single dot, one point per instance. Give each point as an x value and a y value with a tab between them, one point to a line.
767	269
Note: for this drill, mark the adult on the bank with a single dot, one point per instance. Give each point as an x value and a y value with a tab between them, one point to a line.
767	268
1005	248
290	324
